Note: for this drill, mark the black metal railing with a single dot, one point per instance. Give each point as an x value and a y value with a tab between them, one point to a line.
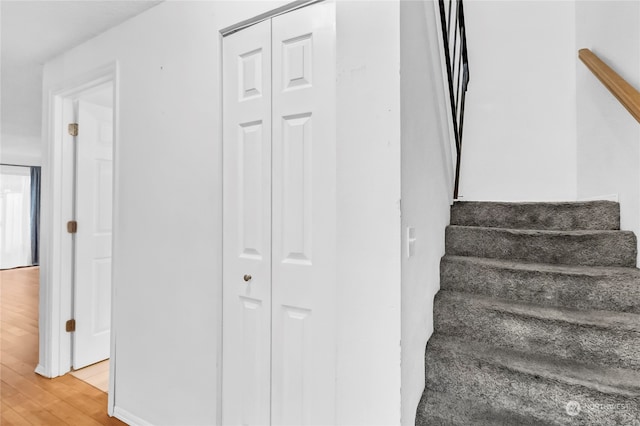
454	36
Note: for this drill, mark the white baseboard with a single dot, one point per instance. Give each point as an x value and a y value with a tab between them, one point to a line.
128	418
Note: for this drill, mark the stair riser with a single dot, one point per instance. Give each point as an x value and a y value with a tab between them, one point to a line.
619	293
534	396
598	215
611	346
590	249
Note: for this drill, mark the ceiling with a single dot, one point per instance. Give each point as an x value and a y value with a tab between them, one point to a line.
33	32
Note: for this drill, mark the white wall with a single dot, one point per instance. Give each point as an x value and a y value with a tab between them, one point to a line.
20	150
519	135
427	189
167	248
167	252
368	212
608	136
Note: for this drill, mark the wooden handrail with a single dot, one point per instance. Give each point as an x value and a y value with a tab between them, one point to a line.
628	96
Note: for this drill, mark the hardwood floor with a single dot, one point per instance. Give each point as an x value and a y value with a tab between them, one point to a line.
97	375
27	398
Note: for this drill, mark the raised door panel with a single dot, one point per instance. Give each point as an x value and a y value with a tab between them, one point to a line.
246	347
94	205
304	217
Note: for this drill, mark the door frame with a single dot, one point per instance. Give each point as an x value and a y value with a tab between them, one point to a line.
56	290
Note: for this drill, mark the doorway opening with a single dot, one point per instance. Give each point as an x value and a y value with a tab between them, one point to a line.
92	201
93	205
76	299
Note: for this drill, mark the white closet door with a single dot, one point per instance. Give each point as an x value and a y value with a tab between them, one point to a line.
246	346
94	204
304	217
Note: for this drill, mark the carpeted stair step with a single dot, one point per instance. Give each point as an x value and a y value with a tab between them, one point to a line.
588	215
441	409
595	337
591	288
588	248
532	386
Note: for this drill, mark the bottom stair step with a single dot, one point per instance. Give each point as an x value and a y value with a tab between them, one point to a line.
442	409
530	387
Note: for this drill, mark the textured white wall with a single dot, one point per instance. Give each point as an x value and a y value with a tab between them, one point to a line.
519	136
368	212
427	188
608	136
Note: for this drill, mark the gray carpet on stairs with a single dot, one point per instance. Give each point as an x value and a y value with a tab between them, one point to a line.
538	318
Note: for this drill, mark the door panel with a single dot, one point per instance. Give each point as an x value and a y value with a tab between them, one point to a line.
246	333
94	203
304	217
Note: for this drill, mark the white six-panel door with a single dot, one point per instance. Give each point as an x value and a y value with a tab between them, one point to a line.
304	214
94	201
279	350
246	337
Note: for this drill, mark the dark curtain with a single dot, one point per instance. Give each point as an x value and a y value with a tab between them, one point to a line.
35	215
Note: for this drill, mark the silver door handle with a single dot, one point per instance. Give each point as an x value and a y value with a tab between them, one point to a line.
247	277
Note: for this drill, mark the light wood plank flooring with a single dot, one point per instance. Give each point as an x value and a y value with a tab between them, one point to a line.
96	375
27	398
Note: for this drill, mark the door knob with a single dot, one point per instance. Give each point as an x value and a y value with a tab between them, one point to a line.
247	277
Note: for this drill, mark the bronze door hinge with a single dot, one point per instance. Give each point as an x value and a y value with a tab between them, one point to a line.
70	326
72	227
73	129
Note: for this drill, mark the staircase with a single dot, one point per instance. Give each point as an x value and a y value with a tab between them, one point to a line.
537	321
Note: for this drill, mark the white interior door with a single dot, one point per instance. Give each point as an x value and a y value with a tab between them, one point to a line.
94	200
246	345
304	217
279	221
